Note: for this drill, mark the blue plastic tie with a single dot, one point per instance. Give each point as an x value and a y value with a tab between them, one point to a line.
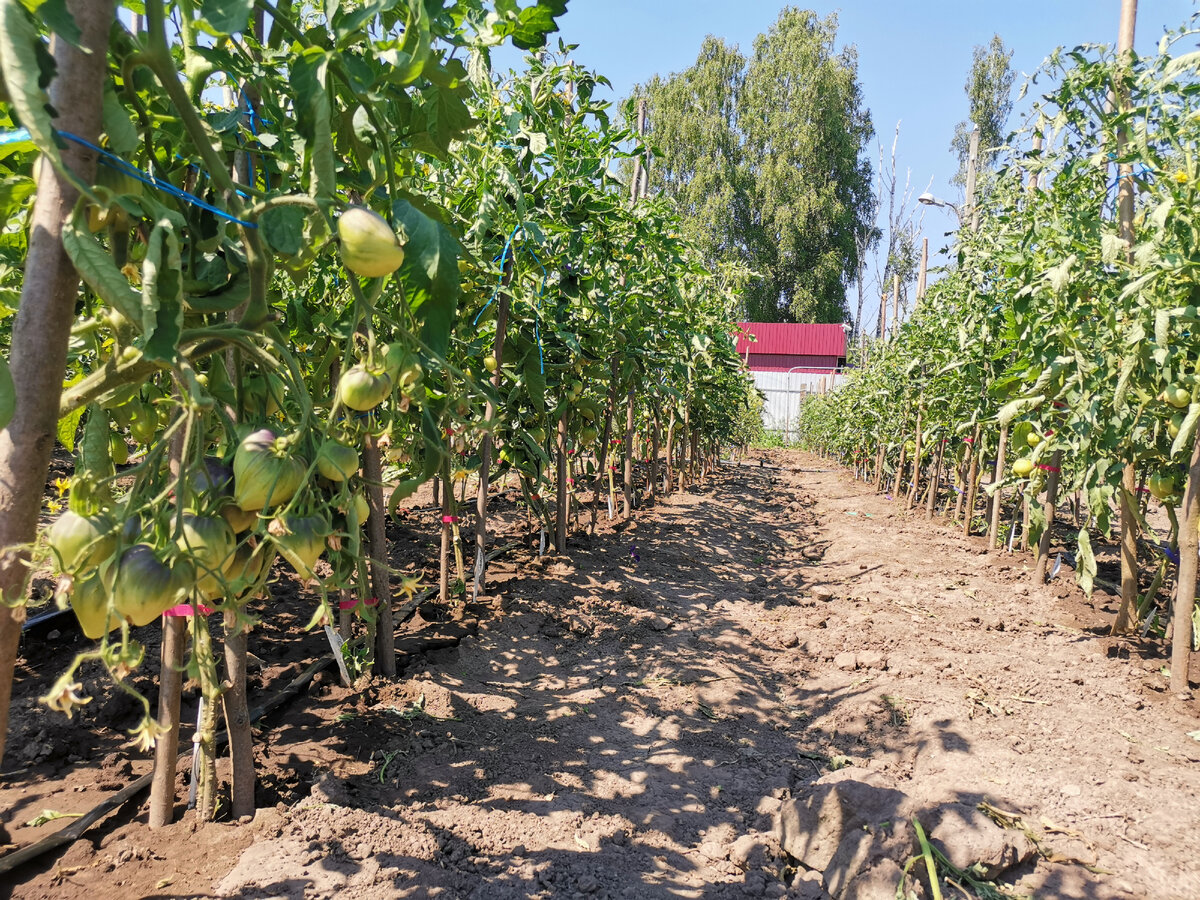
115	162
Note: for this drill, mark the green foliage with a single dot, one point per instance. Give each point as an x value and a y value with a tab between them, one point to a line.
765	157
1047	322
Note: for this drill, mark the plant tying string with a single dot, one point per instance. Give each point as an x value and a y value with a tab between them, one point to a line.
127	168
502	258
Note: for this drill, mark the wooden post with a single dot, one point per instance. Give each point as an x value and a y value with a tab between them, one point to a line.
166	749
972	484
237	718
627	482
895	303
564	497
971	209
1125	197
934	482
882	316
1043	550
998	494
921	276
385	633
485	450
916	469
1185	596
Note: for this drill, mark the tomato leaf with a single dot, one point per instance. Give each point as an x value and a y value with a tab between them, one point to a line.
68	425
97	268
1085	571
227	16
282	227
27	68
1186	429
430	274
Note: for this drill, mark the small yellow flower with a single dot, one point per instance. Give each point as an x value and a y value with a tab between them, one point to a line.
1181	177
62	485
410	585
146	735
130	271
64	696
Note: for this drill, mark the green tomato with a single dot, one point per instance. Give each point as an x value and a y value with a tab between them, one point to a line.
336	461
1033	439
1023	467
1174	425
1177	395
1161	484
362	390
369	246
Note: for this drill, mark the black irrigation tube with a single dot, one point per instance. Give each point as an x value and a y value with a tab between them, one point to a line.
73	832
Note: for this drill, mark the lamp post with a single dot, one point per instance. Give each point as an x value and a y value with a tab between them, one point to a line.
927	199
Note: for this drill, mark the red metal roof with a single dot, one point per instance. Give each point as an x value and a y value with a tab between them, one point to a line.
792	340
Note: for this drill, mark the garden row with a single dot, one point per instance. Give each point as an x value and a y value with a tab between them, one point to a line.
325	260
1060	352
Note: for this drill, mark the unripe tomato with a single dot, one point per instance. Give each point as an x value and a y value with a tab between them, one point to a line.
1174	425
369	246
363	390
1161	484
1023	467
336	461
1177	395
489	363
1033	439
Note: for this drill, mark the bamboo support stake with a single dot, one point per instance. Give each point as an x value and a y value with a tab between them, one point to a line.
627	482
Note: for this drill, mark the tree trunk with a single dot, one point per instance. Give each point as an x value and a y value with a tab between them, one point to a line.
42	325
485	452
385	634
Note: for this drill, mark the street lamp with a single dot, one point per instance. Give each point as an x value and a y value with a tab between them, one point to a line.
927	199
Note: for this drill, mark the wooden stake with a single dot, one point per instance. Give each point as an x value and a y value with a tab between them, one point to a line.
385	634
921	276
1185	596
998	494
895	303
1125	197
1043	551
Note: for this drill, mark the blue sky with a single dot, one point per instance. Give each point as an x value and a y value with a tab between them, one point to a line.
913	56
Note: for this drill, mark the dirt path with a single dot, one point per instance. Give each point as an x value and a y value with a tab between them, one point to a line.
636	720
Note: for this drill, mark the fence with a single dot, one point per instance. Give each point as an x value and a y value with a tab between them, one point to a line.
785	391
